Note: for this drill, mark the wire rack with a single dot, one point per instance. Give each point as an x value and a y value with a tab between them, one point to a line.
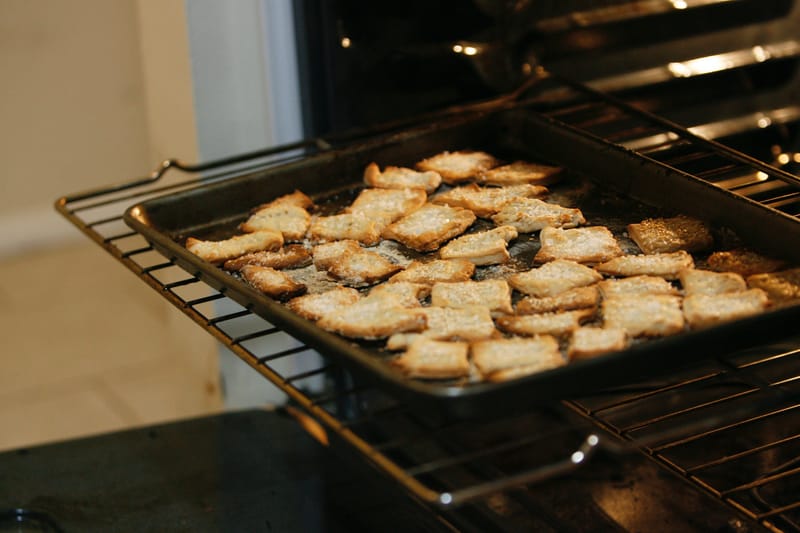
728	426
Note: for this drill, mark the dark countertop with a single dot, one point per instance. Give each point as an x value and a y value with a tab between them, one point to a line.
243	471
259	471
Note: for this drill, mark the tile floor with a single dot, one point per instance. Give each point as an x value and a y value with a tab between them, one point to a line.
89	348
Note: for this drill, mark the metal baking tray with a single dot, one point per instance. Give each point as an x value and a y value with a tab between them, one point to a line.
624	187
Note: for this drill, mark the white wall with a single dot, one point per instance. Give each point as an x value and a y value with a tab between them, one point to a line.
246	97
244	75
93	92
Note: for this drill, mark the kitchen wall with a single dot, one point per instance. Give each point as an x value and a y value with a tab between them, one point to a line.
93	92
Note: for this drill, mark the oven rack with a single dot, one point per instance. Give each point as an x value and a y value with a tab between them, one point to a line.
440	461
693	151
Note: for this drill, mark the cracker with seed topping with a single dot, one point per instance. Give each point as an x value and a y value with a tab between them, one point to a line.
520	172
743	262
661	235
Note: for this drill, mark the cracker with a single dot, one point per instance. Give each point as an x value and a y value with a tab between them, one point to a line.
780	286
290	256
286	214
577	298
315	306
649	315
697	281
455	167
374	317
430	226
743	262
553	278
486	201
467	323
634	285
326	255
517	372
401	341
353	265
387	205
520	172
409	293
482	248
238	245
296	198
353	226
435	271
500	359
667	265
545	323
704	310
432	359
593	244
586	342
448	323
492	293
660	235
401	178
273	283
531	214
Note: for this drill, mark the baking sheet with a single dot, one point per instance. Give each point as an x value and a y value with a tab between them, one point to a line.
613	187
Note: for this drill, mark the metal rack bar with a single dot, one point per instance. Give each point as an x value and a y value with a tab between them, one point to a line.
676	147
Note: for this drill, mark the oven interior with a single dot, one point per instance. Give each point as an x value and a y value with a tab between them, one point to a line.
704	87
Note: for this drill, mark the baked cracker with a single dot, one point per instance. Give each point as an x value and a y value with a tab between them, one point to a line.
429	227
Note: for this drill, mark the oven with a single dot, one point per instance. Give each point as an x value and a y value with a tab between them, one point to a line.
706	89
